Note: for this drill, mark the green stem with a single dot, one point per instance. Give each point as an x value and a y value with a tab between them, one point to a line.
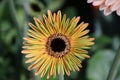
26	20
114	67
61	76
14	17
18	55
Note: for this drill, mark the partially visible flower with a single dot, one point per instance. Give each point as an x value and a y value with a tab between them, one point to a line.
108	6
56	44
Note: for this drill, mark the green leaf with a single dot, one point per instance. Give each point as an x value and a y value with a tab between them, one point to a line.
4	26
4	65
54	4
70	11
101	42
99	65
20	14
74	75
2	7
118	75
115	42
10	36
7	30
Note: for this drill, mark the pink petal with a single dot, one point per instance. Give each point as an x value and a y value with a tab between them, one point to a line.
107	11
98	2
89	1
115	6
109	2
102	7
118	12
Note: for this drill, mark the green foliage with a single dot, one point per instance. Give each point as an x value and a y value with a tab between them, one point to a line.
4	67
101	42
100	64
54	4
8	34
74	75
37	8
70	11
2	6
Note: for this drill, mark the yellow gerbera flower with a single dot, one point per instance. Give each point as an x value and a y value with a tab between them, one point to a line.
56	44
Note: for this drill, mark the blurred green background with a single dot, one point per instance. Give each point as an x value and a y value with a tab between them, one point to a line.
14	16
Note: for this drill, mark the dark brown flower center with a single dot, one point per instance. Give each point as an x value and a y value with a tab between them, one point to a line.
57	45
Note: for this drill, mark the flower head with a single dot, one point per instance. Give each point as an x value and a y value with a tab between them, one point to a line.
108	6
56	44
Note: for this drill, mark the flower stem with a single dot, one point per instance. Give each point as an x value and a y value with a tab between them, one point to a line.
14	17
18	61
61	76
114	67
26	20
